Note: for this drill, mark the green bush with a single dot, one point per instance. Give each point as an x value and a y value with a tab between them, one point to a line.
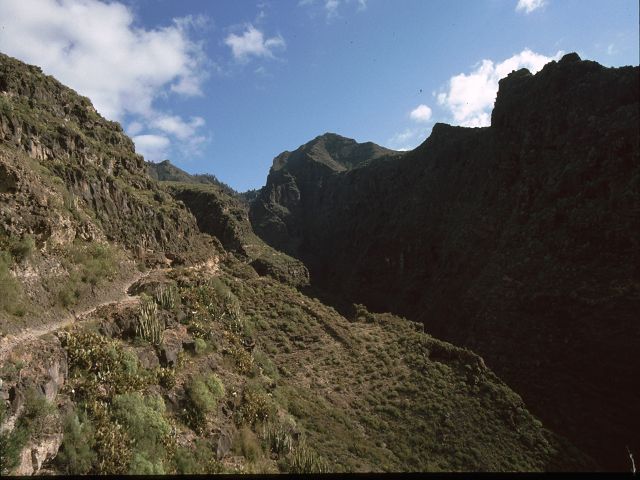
10	289
246	444
144	420
256	406
200	346
76	456
30	424
140	465
201	460
203	395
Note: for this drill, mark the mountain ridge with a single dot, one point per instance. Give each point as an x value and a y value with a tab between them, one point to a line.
512	240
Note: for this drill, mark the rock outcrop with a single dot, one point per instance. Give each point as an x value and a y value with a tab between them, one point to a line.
518	241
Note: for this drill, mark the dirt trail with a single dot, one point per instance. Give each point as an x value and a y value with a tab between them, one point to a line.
10	341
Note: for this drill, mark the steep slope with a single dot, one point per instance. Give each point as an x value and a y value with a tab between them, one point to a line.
165	171
75	202
203	366
223	213
518	241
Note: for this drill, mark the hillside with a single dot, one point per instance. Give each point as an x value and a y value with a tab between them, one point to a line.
518	241
142	331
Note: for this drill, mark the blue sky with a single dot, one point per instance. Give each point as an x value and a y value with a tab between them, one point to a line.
224	86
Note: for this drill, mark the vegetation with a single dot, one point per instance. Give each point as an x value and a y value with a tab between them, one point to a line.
10	289
203	395
29	425
149	326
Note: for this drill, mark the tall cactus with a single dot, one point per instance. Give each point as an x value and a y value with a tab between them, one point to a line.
165	296
148	326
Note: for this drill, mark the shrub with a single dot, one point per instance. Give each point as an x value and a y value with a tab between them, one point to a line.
76	456
143	418
200	346
256	406
203	395
22	249
246	444
141	466
10	290
95	360
30	424
201	460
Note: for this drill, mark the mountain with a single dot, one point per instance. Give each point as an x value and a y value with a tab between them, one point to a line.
145	329
518	241
223	213
278	213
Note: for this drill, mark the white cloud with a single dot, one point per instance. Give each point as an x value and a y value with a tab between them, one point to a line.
331	6
98	49
422	113
407	139
154	148
253	43
176	126
470	97
529	6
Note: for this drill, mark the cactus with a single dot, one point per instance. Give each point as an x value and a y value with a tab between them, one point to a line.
278	437
148	326
165	296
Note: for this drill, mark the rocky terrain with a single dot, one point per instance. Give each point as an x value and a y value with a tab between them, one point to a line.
518	241
145	328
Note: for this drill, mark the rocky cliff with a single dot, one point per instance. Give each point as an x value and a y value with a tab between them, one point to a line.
91	165
518	240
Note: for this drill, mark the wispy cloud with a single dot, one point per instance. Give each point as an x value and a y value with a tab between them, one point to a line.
332	8
98	49
252	42
408	139
470	97
528	6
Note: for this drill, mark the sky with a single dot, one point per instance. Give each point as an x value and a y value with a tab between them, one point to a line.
224	86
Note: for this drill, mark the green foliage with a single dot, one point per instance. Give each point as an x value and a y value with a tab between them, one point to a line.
203	395
140	465
100	367
267	367
76	456
305	460
201	460
113	445
246	443
256	406
166	377
10	289
148	325
166	296
29	425
200	346
20	249
89	265
144	421
278	437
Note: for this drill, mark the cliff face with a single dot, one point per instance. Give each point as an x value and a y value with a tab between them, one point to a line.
518	241
296	184
51	135
220	212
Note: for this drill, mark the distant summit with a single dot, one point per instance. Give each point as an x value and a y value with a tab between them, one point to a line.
334	151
